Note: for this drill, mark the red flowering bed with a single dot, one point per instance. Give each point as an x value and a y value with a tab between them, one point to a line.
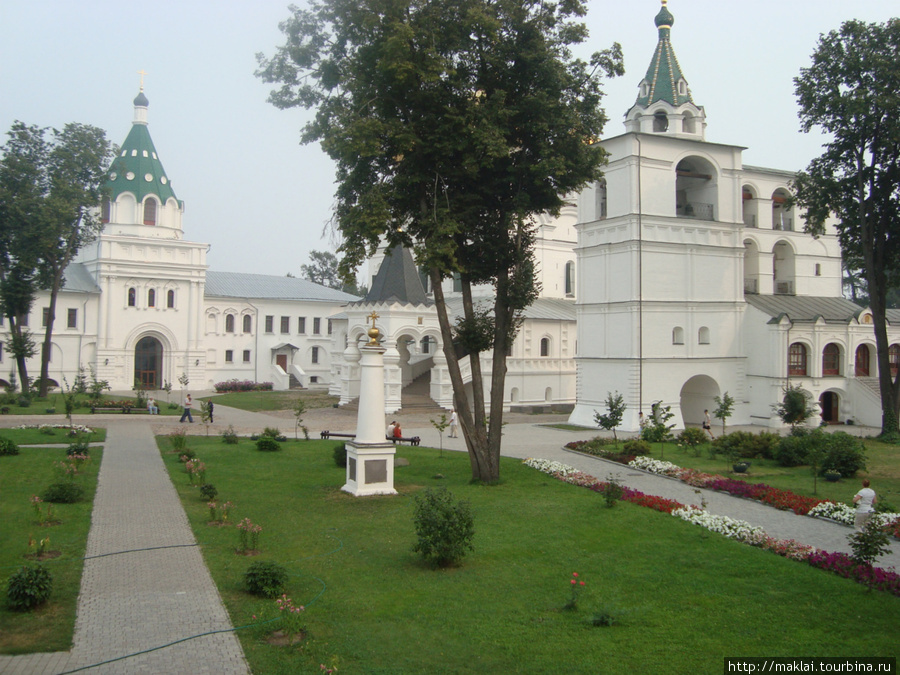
242	385
843	564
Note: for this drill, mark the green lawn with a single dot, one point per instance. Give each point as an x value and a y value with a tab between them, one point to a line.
686	598
260	401
54	404
49	627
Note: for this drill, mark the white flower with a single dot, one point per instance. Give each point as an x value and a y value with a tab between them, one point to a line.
655	466
549	466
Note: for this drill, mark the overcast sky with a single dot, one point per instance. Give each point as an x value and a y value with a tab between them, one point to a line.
262	200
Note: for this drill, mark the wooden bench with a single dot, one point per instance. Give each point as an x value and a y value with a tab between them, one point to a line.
124	411
414	440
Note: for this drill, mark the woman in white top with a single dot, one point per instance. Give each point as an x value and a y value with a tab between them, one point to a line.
865	504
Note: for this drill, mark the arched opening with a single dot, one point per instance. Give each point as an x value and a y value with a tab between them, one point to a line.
132	297
678	335
545	346
783	268
696	191
229	323
862	361
548	395
751	266
151	298
831	359
703	335
688	124
248	323
781	211
150	209
829	401
148	355
514	395
750	207
797	362
170	299
698	394
570	279
660	122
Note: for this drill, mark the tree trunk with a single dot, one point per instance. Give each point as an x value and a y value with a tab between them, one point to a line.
15	326
47	345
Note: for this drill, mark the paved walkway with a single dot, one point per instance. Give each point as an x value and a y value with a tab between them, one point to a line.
141	600
136	600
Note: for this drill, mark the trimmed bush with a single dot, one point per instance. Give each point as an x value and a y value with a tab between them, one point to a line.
267	444
265	578
445	527
63	493
78	448
844	454
209	491
8	447
793	450
29	587
636	446
340	455
24	401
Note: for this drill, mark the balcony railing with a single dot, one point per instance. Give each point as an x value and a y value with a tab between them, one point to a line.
696	210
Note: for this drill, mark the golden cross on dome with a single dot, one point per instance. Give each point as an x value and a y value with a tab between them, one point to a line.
142	73
373	316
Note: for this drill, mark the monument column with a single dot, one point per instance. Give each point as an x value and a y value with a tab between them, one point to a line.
370	456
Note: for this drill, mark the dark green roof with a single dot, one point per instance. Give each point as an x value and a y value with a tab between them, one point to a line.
664	72
397	280
137	169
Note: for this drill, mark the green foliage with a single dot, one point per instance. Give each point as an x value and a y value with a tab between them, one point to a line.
796	407
178	440
459	121
96	387
339	452
636	446
299	411
746	445
265	578
869	544
851	91
229	436
445	527
615	406
63	493
658	429
208	491
724	408
692	438
272	432
267	443
611	491
79	447
793	450
8	447
24	401
29	587
844	454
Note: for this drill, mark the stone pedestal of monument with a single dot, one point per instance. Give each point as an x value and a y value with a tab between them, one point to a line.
370	456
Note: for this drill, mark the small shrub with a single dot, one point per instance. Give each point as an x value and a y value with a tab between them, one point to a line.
63	493
611	491
78	448
267	444
229	436
869	544
47	431
692	438
28	588
265	578
340	455
844	454
178	440
8	447
605	618
444	527
50	411
636	446
24	401
209	491
274	432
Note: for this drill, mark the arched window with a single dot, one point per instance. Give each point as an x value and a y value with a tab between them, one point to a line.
248	323
894	359
862	361
545	346
105	208
570	279
660	122
170	299
831	360
151	298
678	335
229	323
703	335
781	211
132	297
797	359
150	211
315	354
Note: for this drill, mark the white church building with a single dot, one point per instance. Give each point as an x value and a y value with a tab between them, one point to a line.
682	275
140	305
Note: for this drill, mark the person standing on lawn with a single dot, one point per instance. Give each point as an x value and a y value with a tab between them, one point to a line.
865	501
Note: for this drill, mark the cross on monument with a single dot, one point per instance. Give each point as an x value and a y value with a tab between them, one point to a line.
142	73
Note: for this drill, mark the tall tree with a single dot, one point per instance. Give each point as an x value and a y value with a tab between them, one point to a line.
852	92
56	215
452	124
323	269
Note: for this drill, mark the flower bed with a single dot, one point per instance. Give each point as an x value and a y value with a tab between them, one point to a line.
739	530
80	428
242	385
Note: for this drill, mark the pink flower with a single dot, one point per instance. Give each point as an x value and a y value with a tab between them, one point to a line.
573	582
574	574
581	582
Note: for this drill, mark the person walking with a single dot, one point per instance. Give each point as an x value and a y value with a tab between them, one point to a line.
210	407
707	424
865	501
188	404
454	423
